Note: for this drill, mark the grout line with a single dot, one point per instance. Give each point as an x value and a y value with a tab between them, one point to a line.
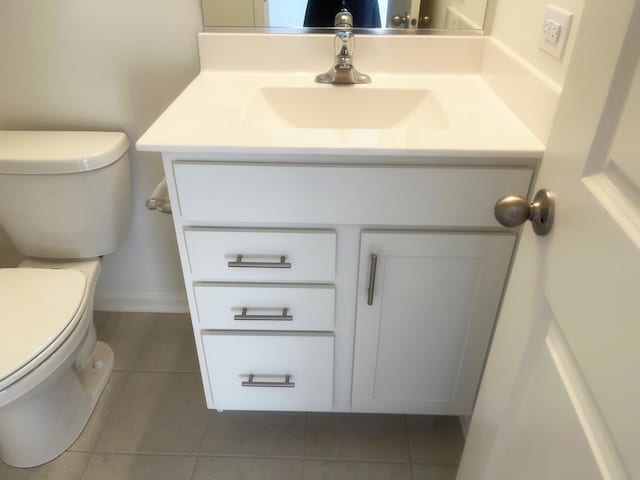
304	445
145	454
311	458
86	467
164	371
145	342
304	438
205	431
193	469
406	432
110	412
263	457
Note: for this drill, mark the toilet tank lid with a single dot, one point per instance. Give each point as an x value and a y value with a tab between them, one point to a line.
42	153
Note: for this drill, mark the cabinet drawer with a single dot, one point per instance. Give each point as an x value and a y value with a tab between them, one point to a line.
261	255
261	371
350	194
265	307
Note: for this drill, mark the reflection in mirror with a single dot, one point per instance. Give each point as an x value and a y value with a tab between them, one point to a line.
387	14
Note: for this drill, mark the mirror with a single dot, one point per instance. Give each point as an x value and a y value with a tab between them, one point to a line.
380	16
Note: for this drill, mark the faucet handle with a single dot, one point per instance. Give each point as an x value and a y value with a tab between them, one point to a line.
343	19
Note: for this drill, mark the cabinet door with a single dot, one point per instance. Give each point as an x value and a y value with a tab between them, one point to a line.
423	333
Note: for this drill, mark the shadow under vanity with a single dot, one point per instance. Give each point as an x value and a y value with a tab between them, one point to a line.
341	268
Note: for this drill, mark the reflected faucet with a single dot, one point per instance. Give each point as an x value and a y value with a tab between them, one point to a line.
343	72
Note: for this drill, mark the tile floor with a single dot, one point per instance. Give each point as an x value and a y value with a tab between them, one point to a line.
151	423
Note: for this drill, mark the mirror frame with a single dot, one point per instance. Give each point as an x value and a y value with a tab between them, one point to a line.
333	30
329	29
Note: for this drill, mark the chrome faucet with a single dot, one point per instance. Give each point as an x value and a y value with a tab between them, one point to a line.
343	71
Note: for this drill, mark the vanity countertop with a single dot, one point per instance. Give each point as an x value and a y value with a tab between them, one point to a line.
229	111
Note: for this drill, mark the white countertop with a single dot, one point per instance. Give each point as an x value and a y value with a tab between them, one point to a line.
208	117
214	114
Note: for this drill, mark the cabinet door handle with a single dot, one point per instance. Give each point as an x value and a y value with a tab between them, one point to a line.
286	384
266	318
372	278
238	263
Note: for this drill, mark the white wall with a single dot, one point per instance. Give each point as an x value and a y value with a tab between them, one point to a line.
517	24
116	65
84	64
472	10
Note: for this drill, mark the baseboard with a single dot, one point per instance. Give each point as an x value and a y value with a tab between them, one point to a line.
140	302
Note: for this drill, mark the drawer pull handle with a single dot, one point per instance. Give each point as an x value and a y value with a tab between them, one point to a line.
238	263
372	278
265	318
286	384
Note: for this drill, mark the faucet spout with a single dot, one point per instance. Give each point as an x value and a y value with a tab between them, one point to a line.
343	72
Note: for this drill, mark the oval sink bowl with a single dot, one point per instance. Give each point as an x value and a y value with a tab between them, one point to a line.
340	107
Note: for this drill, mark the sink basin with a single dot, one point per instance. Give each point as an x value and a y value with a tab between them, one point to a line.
340	107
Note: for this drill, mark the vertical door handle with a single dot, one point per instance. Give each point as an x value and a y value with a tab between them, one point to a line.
372	278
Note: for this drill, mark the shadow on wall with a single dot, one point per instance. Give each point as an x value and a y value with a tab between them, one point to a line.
9	256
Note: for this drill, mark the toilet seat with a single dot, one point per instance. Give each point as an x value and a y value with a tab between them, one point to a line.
39	308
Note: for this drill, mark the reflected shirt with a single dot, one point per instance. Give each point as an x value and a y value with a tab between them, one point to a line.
322	13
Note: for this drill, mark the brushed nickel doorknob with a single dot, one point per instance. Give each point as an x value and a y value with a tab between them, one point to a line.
398	20
513	211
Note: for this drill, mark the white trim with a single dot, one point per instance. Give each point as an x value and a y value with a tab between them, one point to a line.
619	205
141	302
593	424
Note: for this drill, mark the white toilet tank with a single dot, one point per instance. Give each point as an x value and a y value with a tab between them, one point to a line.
64	194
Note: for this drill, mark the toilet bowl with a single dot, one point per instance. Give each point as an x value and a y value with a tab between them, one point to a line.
51	371
64	202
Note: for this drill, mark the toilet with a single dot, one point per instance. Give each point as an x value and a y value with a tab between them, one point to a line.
65	201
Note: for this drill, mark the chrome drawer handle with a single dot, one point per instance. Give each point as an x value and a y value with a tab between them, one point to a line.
240	264
372	278
287	382
266	318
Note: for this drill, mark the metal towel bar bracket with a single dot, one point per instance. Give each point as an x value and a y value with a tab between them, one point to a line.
159	199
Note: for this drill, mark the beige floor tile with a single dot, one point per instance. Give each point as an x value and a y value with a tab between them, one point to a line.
170	346
435	439
157	413
255	433
356	436
434	472
332	470
125	333
139	467
209	468
68	466
86	442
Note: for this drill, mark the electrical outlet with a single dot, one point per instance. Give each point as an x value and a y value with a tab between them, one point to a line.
555	30
551	32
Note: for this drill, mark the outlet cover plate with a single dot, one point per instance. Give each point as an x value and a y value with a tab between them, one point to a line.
555	30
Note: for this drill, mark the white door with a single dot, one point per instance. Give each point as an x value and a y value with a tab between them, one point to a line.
403	8
240	13
560	397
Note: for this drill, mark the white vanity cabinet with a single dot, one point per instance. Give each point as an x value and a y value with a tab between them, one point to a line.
277	260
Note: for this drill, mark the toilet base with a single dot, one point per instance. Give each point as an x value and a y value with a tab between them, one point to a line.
44	423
